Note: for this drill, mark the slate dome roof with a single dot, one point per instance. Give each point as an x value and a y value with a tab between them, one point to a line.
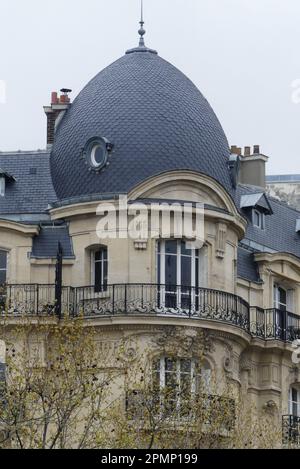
155	117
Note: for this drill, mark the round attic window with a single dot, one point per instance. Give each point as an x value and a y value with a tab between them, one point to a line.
96	152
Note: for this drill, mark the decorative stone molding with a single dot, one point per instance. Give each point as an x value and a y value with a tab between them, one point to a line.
185	341
221	240
270	407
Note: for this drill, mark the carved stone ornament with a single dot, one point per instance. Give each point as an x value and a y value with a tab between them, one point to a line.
270	407
221	240
184	341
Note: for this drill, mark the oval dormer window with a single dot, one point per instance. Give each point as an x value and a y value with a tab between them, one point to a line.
96	152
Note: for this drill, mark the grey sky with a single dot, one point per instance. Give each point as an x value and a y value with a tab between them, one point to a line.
242	54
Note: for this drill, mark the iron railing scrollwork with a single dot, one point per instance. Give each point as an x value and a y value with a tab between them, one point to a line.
291	430
151	300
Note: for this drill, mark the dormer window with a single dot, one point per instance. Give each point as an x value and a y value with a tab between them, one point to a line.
4	178
256	206
258	219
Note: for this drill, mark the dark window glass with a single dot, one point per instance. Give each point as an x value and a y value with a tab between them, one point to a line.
98	274
282	298
101	270
170	364
158	268
3	259
184	251
99	155
256	219
3	266
2	276
171	247
171	271
186	271
295	401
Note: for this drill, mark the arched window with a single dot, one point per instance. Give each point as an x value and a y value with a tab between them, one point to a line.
100	269
179	380
3	267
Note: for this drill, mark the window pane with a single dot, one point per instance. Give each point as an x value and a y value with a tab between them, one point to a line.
158	268
184	251
282	296
185	384
171	271
98	274
171	247
256	219
2	276
185	366
170	364
186	271
3	259
105	275
197	272
98	255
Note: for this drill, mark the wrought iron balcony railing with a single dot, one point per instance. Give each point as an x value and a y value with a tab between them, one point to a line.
214	410
151	300
122	299
291	430
274	324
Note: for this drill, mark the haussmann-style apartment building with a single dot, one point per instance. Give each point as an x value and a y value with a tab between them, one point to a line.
141	130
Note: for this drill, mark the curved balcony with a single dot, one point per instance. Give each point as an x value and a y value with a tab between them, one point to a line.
149	300
127	299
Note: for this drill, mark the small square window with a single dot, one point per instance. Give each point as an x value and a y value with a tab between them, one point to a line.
258	219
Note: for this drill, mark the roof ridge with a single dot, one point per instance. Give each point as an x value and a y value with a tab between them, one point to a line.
24	152
270	197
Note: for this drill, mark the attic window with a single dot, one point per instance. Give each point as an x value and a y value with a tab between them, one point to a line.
4	178
96	152
258	219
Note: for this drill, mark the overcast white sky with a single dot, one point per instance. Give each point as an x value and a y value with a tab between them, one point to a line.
242	54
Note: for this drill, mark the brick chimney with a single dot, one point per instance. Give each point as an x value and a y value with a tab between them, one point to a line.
253	167
55	112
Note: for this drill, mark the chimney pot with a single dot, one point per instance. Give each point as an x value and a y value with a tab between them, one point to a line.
247	151
54	98
256	150
233	149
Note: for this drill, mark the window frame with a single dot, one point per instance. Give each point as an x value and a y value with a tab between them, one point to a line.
4	269
161	263
179	291
195	375
261	219
294	404
103	286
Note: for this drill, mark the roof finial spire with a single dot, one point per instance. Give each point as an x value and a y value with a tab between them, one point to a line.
142	31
